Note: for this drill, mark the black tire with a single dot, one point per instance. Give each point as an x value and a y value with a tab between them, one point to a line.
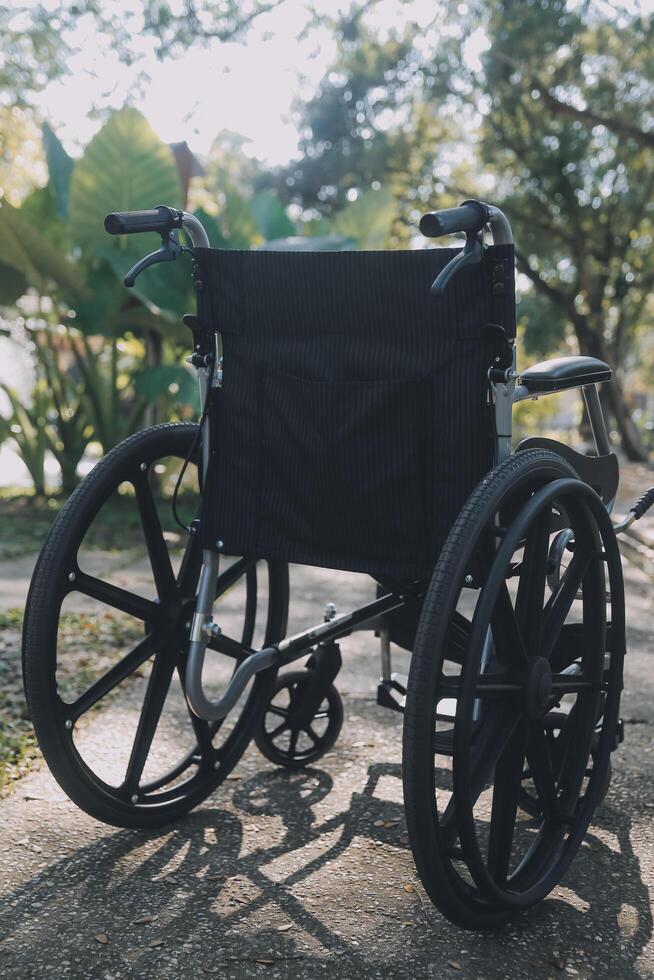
470	888
270	731
163	643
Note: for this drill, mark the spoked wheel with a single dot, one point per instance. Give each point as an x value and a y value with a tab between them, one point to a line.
106	634
489	667
285	735
558	727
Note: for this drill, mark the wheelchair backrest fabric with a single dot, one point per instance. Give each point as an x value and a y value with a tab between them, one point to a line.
353	417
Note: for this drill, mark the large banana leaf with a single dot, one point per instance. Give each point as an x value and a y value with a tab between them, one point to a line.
125	167
26	250
166	287
13	284
60	168
40	208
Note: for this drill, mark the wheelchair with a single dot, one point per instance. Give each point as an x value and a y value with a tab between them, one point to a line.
356	415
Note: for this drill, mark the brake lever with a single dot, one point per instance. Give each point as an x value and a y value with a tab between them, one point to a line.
471	255
169	250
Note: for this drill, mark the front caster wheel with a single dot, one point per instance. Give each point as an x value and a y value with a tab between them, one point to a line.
286	737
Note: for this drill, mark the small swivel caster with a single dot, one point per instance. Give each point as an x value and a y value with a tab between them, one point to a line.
304	716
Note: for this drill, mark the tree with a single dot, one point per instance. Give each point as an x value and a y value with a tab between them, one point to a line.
578	193
582	193
36	39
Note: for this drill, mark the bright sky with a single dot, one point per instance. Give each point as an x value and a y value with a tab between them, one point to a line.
245	87
248	88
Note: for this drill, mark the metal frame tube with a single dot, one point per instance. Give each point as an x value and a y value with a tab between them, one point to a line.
285	652
385	643
195	230
499	226
596	419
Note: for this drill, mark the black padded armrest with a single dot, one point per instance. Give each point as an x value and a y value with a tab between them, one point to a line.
565	372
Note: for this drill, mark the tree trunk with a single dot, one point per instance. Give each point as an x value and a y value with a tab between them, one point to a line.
630	439
612	394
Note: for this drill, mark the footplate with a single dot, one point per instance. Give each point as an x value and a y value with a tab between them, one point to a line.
391	694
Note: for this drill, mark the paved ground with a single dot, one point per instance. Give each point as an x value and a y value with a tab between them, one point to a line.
309	875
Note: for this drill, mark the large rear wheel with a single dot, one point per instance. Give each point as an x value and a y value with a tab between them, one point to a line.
106	633
494	816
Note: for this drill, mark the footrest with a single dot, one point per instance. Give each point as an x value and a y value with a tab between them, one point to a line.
391	694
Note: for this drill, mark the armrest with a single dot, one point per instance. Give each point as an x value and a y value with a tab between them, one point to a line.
564	372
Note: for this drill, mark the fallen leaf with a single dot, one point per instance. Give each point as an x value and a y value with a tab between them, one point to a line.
391	823
155	943
102	938
170	880
289	925
265	962
558	962
454	964
215	877
144	920
408	888
233	777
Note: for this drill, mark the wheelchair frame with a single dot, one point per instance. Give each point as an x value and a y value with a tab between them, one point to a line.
492	678
505	392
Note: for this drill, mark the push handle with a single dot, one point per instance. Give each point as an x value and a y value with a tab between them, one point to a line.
470	217
161	219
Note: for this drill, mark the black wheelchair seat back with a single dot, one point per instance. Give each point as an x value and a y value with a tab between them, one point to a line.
352	420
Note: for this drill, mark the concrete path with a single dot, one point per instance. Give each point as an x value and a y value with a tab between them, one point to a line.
305	875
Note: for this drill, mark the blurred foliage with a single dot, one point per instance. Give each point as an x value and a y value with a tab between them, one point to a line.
35	37
125	167
554	99
107	361
25	424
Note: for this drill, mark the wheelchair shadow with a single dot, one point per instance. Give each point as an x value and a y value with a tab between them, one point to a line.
226	904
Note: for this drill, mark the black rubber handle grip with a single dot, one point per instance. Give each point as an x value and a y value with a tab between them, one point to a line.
162	219
643	503
471	216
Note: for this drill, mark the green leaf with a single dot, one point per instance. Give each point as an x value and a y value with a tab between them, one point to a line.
166	287
271	217
103	301
60	168
26	249
157	382
125	167
368	219
41	210
13	284
212	228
